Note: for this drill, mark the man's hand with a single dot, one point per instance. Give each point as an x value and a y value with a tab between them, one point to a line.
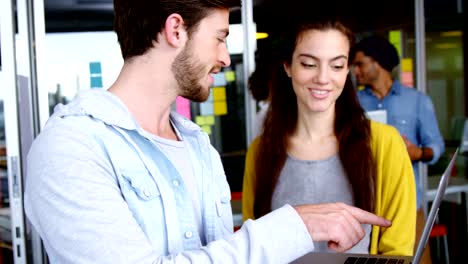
414	151
337	223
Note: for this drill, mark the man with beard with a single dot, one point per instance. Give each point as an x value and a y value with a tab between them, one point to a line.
116	177
409	110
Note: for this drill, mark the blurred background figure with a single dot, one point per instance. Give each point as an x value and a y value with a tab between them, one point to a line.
260	82
409	110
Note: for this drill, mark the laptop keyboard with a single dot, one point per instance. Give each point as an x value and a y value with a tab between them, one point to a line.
370	260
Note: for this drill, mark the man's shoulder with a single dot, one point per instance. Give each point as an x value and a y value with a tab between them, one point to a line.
61	134
407	90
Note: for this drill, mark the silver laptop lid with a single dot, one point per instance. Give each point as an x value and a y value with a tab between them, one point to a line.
434	209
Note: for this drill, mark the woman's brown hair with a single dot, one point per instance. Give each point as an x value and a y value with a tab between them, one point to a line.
352	130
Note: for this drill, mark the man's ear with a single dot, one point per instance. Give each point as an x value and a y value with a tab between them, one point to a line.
174	30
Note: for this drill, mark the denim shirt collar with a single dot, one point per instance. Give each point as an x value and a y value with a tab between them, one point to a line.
395	89
108	108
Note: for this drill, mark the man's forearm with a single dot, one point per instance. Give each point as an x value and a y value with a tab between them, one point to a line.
426	154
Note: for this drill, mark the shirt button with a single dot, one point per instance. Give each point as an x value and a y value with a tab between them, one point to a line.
379	105
175	183
188	234
146	193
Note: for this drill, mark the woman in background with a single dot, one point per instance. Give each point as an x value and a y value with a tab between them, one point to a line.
317	146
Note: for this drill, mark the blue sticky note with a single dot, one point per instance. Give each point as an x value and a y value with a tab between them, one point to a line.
95	67
210	97
96	81
219	79
206	108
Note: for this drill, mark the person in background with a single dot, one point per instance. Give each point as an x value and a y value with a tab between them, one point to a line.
317	145
259	85
408	110
116	177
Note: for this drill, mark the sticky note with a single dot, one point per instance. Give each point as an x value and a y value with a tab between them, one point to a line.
207	129
407	65
200	120
209	120
394	36
95	68
205	120
220	108
219	93
407	79
219	79
96	81
210	97
230	76
206	108
183	107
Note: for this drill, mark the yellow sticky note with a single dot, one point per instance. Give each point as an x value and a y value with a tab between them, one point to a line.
394	36
407	65
219	93
230	76
200	120
220	108
207	129
209	120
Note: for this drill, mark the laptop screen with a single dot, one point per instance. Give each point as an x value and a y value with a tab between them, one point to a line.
434	209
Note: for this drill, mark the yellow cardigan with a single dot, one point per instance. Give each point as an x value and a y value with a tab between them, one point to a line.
394	188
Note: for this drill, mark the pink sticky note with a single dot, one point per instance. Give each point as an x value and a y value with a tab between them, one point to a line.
407	79
183	107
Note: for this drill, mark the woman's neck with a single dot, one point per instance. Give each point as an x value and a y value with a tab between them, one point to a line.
314	137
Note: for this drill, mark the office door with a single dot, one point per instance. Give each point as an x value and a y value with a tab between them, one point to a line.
12	240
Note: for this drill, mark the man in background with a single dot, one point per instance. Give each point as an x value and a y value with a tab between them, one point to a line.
409	110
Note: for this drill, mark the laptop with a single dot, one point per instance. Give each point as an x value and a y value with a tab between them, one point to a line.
348	258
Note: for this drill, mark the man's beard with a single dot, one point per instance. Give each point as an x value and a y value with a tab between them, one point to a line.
188	72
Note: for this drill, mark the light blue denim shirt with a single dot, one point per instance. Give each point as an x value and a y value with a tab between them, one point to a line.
412	113
99	191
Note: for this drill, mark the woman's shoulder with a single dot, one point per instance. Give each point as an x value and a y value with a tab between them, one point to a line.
383	130
384	135
253	146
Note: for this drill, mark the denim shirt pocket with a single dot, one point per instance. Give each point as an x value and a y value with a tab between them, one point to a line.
405	124
142	184
223	206
145	202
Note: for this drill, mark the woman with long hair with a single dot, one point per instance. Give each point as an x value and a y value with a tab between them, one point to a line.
318	146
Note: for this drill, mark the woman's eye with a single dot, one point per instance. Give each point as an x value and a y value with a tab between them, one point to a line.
338	67
308	65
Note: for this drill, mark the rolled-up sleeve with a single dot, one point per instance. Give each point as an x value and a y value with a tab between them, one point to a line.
429	132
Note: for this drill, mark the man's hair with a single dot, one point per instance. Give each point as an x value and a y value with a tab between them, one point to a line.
138	22
380	50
